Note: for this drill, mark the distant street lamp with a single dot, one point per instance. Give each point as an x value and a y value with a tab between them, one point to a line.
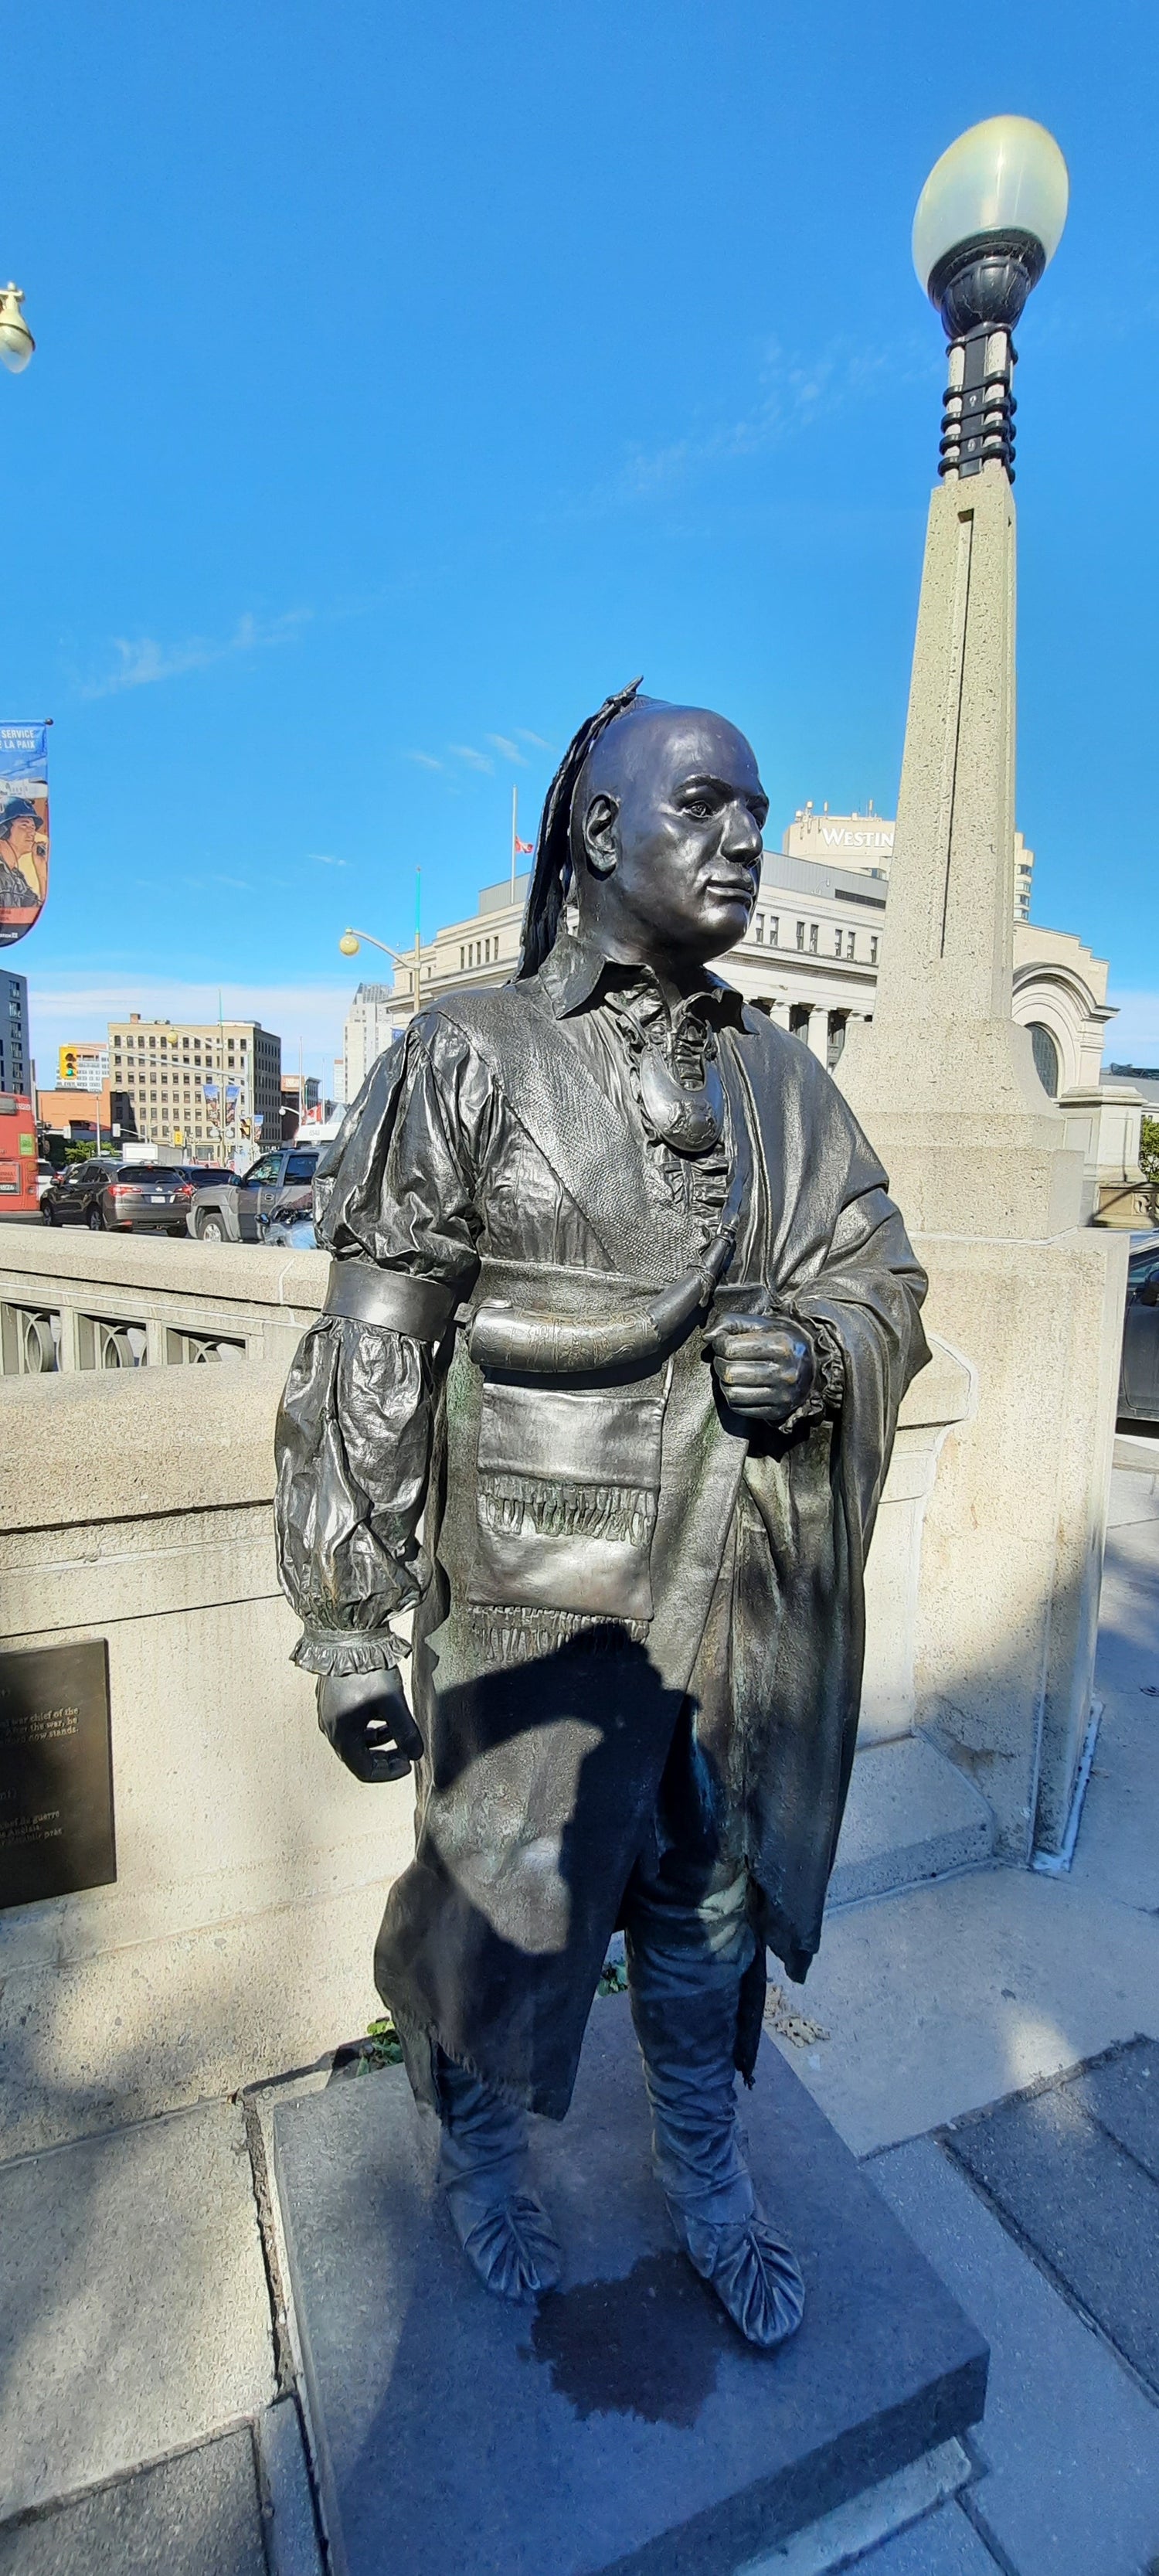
16	341
988	221
409	958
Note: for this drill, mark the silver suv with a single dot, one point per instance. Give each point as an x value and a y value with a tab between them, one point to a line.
234	1211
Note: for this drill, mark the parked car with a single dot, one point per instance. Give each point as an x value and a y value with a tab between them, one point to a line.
121	1198
46	1174
1139	1370
73	1197
233	1211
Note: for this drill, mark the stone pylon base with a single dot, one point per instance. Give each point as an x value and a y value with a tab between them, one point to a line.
1012	1547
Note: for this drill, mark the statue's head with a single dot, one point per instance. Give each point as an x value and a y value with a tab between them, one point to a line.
656	834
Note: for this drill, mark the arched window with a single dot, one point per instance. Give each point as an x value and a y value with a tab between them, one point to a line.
1046	1063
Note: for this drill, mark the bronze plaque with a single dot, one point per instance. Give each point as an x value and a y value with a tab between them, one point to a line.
56	1772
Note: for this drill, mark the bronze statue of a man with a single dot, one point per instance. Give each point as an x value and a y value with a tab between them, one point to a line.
620	1308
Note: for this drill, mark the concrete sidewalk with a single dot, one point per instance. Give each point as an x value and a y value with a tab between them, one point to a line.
148	2386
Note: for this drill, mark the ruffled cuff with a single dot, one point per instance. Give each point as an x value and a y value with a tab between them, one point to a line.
829	1383
827	1393
346	1650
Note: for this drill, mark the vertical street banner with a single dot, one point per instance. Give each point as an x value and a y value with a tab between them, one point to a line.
23	827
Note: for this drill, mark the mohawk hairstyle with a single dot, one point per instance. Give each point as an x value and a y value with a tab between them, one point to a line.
551	875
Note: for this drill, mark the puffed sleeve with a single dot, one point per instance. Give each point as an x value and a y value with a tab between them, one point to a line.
396	1190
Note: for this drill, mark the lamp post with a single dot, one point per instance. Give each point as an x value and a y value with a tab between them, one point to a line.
943	1044
988	222
989	1172
16	341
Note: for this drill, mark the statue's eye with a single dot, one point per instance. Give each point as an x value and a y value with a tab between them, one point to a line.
698	808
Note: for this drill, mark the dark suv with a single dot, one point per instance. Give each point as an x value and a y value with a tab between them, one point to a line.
125	1198
73	1197
235	1211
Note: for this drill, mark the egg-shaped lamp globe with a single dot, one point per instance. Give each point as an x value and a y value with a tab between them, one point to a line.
988	220
16	341
349	943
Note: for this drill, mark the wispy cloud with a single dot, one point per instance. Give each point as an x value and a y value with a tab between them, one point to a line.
793	391
505	744
140	663
322	859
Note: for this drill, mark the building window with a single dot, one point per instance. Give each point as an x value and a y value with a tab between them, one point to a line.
759	929
812	938
800	934
850	937
1046	1064
774	930
873	948
838	943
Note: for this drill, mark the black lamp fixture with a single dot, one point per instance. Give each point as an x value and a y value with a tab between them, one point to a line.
988	220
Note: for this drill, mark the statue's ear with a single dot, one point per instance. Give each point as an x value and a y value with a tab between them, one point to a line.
601	838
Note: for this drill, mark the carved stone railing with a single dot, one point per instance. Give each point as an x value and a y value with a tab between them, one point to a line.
74	1300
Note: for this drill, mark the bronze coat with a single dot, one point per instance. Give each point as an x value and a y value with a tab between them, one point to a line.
577	1532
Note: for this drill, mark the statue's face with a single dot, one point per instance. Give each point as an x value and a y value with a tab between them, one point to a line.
22	834
671	834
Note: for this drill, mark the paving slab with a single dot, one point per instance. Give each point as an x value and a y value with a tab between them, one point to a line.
1084	2204
292	2541
197	2515
1122	2094
1070	2442
945	1998
134	2316
910	1816
620	2424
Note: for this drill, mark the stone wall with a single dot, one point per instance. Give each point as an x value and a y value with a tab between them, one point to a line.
252	1868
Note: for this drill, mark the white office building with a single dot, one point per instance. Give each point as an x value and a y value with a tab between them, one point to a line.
374	1017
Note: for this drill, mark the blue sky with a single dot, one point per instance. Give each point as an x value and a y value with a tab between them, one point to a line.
407	378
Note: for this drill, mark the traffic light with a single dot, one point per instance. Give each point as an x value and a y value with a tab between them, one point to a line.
67	1063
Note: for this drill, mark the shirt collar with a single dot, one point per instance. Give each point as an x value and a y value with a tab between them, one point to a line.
575	967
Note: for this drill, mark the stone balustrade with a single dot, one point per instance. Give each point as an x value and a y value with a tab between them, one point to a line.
73	1300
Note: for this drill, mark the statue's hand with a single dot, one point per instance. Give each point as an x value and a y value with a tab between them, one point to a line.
367	1720
765	1366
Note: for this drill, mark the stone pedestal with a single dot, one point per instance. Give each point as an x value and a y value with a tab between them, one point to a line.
992	1191
620	2424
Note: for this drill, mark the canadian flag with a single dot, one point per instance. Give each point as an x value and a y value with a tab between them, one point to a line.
524	849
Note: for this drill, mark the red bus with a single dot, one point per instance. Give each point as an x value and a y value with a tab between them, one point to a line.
18	1194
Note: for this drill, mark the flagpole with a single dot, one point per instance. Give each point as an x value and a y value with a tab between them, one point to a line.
514	835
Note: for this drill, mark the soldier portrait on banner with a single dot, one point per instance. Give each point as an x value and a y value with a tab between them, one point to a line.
23	828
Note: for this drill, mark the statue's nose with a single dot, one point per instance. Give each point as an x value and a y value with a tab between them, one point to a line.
742	838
